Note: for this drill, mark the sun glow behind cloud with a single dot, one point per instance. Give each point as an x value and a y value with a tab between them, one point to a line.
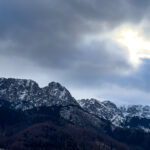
137	46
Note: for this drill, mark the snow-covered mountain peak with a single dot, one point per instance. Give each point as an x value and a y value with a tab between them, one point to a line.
59	91
26	94
56	85
9	81
17	89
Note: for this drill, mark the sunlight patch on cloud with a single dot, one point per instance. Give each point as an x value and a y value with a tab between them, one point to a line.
137	45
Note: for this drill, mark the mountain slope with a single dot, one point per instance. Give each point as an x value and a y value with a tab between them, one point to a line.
41	130
106	110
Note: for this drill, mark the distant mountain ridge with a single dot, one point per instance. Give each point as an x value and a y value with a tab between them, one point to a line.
119	116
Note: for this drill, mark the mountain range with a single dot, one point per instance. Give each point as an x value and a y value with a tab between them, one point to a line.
50	118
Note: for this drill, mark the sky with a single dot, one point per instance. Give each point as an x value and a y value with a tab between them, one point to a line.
95	48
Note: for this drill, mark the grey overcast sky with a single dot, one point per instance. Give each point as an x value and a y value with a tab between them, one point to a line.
96	48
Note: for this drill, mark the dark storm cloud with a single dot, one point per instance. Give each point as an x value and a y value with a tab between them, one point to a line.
51	29
51	34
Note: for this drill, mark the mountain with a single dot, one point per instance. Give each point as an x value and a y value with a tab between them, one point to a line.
34	118
132	116
26	94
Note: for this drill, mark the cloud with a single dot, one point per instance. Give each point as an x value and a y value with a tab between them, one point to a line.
52	36
52	30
